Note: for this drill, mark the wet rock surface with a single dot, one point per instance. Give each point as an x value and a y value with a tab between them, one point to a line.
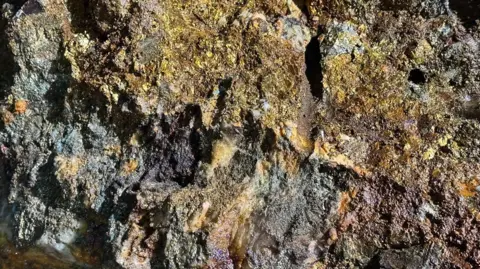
239	134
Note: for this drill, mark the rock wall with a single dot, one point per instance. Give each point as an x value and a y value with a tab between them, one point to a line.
239	134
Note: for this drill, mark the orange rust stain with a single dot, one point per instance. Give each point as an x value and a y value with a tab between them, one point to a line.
68	167
362	171
353	192
468	189
20	106
344	201
129	167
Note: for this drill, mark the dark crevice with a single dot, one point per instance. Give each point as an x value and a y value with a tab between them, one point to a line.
57	93
83	20
394	5
303	6
160	256
48	184
8	67
253	129
468	11
195	142
223	88
93	239
126	117
32	7
314	73
417	76
17	4
269	141
125	205
374	263
177	149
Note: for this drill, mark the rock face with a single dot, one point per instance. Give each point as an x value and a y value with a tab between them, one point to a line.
239	134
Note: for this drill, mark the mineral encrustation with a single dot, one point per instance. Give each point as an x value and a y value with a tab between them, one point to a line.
240	134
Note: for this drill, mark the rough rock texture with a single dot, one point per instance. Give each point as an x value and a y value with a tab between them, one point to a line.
239	134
